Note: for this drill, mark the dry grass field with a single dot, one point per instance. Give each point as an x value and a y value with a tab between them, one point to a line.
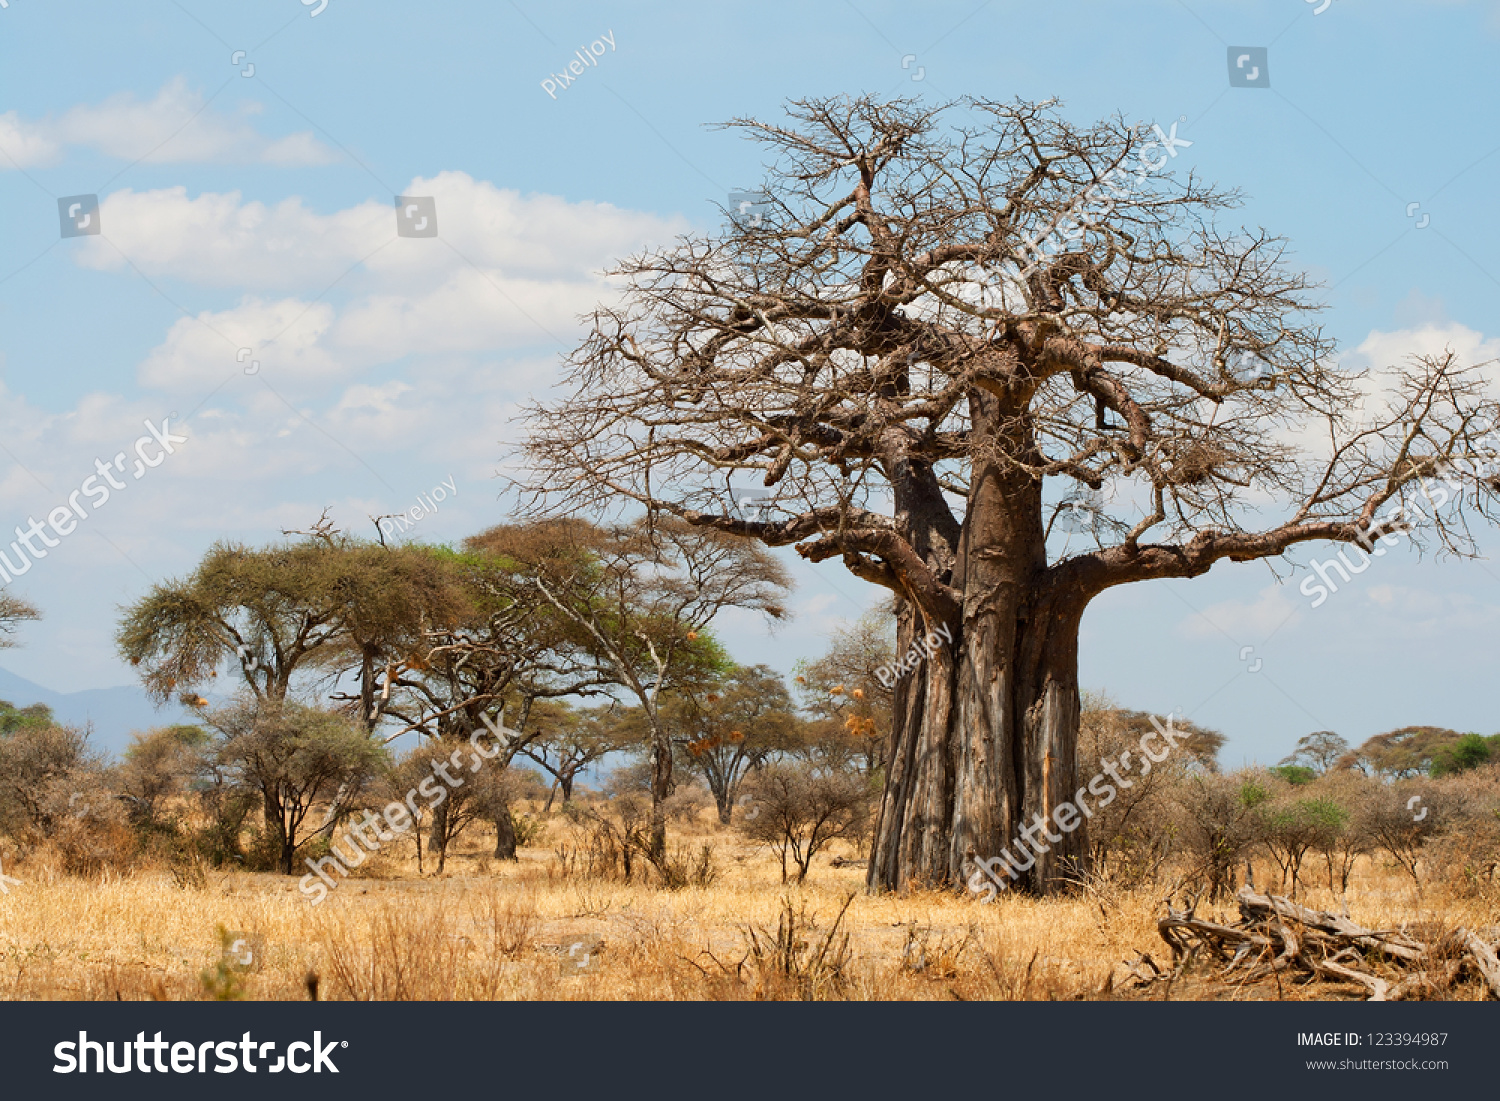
491	929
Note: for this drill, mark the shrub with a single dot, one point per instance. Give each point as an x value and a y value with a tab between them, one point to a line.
49	776
799	812
1217	823
1291	828
1296	775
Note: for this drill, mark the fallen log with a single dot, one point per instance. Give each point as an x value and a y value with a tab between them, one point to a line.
1275	936
1484	959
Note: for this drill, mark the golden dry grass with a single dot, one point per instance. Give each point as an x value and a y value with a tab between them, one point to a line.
501	930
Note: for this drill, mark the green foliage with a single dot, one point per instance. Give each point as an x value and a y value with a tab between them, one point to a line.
1325	814
294	757
272	612
1468	752
528	830
1253	793
225	980
1296	775
1402	754
13	718
1292	829
226	808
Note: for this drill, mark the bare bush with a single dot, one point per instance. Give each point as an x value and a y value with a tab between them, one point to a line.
50	778
1131	836
799	812
1217	823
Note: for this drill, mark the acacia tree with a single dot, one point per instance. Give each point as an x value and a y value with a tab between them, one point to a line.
1400	754
848	692
502	653
731	726
640	598
13	610
572	740
926	352
1318	751
324	605
293	757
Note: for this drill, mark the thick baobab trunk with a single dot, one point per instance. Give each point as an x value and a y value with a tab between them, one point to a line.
985	740
986	724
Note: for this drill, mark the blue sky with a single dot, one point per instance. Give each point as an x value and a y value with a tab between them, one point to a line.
254	211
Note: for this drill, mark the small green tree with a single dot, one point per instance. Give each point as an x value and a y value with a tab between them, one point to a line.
1290	829
1296	775
13	718
294	757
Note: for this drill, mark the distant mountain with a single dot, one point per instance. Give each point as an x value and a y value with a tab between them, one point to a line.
115	713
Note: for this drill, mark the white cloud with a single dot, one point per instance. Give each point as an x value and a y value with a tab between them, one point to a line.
175	126
1383	349
1382	353
1243	621
519	273
201	352
24	145
470	311
220	240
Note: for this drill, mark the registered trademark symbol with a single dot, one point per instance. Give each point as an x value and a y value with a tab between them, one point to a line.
343	1043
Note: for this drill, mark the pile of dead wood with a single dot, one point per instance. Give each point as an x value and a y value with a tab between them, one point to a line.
1276	938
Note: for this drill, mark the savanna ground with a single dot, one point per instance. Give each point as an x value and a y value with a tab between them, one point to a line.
488	929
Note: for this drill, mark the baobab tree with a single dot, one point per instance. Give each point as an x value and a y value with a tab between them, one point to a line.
997	364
